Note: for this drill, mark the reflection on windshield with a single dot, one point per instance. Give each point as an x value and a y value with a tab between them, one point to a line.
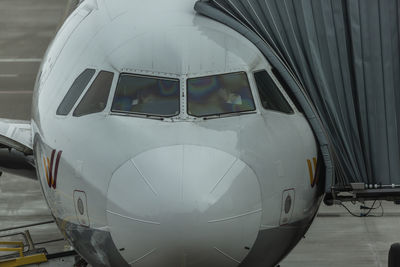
147	95
219	94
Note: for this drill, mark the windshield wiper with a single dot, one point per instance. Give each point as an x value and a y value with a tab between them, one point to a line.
138	115
227	115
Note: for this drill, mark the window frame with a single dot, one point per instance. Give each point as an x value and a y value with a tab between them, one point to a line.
289	95
221	115
280	89
105	109
144	115
78	100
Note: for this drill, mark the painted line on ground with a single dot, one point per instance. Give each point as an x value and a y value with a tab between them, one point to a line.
19	60
9	75
22	92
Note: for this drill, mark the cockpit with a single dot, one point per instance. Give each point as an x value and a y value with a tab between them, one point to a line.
151	96
146	95
219	95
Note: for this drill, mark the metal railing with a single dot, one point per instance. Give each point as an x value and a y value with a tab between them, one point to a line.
17	247
25	226
24	247
19	253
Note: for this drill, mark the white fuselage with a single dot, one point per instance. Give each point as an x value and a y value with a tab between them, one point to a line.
180	191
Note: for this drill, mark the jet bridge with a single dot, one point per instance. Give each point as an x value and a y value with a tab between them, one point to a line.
340	60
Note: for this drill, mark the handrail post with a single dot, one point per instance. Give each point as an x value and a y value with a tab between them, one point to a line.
31	245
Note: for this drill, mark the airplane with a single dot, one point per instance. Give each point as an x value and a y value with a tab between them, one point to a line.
161	137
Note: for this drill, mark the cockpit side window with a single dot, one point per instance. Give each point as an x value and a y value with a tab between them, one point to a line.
271	97
287	89
75	92
145	95
219	94
96	97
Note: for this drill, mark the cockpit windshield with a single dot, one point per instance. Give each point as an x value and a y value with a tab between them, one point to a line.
147	96
219	94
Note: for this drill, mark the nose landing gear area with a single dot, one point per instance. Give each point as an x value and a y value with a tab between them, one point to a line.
175	211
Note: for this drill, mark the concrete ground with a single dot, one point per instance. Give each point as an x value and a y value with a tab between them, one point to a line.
26	28
338	239
22	203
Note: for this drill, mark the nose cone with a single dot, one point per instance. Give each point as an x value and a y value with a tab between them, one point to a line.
184	206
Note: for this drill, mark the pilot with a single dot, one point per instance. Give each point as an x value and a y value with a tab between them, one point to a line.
228	97
149	95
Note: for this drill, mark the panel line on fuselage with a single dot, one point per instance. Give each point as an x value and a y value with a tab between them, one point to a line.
145	179
144	256
133	219
235	217
226	255
220	180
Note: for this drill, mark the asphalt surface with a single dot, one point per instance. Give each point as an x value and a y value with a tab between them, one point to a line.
26	28
21	203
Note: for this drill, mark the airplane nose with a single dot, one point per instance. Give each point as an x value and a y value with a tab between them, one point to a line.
184	205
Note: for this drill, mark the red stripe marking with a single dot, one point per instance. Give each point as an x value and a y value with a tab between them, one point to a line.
316	177
51	167
56	169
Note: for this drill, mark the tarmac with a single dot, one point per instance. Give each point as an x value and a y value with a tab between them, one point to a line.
26	29
336	238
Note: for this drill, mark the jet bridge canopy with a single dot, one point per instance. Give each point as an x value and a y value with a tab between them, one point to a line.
341	61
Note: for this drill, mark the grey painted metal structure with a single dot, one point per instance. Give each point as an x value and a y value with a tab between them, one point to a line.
344	58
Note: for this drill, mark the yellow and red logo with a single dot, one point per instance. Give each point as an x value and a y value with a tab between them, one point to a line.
51	168
312	170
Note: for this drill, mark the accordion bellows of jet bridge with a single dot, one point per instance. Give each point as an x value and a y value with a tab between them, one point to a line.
163	138
341	59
